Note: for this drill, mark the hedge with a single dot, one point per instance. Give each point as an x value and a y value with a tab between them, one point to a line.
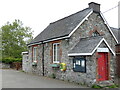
10	60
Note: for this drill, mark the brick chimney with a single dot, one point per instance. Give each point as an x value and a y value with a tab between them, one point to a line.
94	6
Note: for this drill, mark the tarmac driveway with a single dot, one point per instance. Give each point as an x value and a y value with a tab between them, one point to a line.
17	79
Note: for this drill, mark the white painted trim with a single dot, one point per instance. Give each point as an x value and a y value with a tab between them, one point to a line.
55	39
56	62
35	54
49	40
24	53
34	44
86	18
109	47
108	27
35	47
102	50
53	53
97	45
55	44
78	54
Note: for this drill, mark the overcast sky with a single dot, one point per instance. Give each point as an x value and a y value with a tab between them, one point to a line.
37	14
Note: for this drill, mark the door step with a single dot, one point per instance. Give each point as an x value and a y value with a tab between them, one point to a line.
105	83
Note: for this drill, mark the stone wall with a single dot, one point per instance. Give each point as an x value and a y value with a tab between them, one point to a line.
4	66
94	23
25	62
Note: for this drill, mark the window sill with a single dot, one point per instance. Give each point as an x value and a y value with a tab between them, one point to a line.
56	62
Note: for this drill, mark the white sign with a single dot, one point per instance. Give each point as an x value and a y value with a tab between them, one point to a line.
102	50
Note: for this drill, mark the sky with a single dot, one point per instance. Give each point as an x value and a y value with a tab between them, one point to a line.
37	14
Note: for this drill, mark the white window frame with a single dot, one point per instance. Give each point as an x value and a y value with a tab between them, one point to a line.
34	52
55	59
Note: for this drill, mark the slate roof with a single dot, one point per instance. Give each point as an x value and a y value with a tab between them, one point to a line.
86	45
115	32
62	27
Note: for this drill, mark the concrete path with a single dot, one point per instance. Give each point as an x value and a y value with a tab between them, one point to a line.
17	79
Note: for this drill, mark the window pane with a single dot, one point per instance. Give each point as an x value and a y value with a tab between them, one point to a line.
58	52
79	64
83	63
35	53
54	52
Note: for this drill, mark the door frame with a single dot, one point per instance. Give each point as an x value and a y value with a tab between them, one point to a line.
102	50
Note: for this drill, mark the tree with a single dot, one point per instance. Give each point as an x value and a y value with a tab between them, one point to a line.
14	39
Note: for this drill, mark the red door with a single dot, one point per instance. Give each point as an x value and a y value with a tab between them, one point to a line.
103	66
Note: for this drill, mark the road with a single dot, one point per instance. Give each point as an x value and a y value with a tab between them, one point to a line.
18	79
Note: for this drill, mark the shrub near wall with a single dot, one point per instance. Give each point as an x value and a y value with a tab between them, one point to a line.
13	62
10	60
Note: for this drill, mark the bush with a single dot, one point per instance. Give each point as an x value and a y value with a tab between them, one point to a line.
53	76
113	86
10	60
96	86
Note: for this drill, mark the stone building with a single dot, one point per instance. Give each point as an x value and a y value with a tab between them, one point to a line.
83	41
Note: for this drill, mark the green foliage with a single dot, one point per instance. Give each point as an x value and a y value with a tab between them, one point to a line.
10	60
14	39
113	86
53	76
96	86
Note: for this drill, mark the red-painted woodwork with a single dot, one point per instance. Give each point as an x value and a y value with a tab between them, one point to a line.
102	66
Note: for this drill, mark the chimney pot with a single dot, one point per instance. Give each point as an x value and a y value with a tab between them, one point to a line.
94	6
